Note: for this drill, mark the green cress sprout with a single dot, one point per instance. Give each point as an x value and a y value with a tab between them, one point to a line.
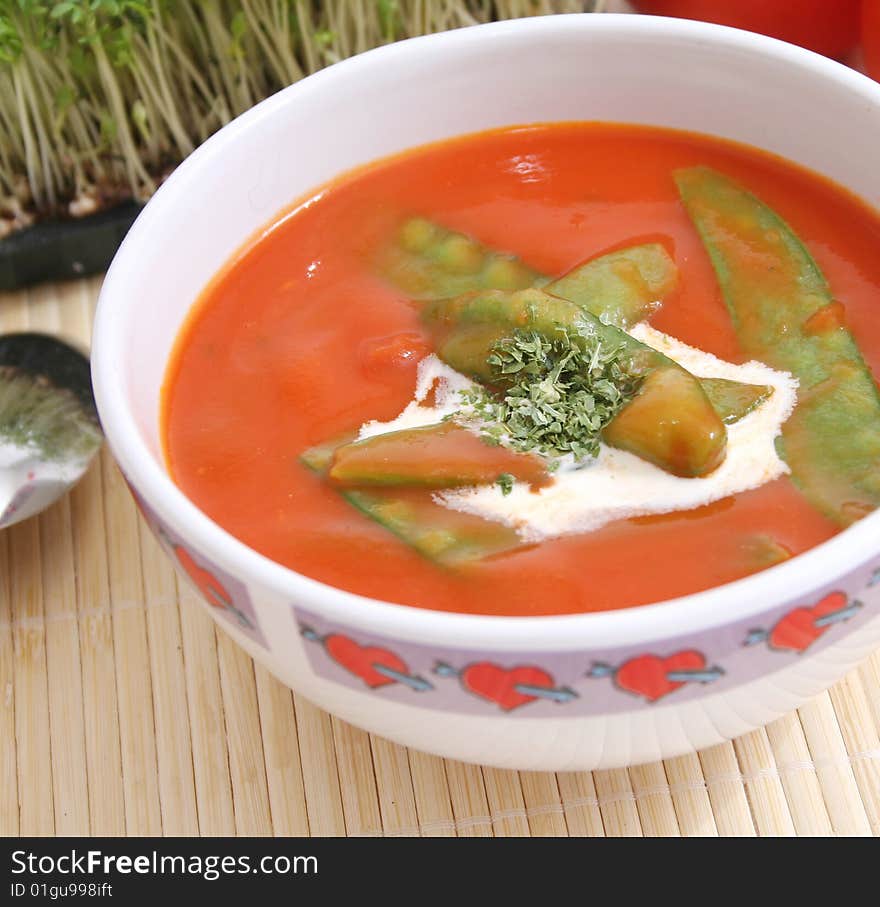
100	99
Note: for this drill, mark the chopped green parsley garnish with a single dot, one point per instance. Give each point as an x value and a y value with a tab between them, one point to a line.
505	483
559	393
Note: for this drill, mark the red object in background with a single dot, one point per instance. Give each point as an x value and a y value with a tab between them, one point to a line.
829	27
871	36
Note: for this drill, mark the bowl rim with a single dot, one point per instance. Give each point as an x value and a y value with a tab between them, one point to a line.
688	615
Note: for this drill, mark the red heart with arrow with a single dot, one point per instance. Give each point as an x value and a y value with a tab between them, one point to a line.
508	688
798	629
655	676
364	661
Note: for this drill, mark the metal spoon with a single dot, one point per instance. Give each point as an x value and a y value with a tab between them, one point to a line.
49	428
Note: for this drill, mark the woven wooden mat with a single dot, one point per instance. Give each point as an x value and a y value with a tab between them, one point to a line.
123	710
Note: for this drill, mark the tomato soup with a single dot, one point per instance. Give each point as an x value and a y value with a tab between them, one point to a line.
303	338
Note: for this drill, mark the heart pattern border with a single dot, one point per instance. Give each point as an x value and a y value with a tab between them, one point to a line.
538	684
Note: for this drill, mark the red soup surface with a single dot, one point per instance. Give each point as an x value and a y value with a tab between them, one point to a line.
299	340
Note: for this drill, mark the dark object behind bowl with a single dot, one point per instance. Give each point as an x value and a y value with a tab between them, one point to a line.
60	250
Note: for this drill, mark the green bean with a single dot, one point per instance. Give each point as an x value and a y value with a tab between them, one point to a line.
670	422
785	315
447	537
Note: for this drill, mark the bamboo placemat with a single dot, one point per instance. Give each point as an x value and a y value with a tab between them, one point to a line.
125	711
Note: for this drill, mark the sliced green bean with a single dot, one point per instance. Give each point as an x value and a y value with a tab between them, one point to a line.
785	315
622	287
443	455
447	537
733	400
427	261
670	422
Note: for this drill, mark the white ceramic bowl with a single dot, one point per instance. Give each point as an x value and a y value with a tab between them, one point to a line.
587	691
